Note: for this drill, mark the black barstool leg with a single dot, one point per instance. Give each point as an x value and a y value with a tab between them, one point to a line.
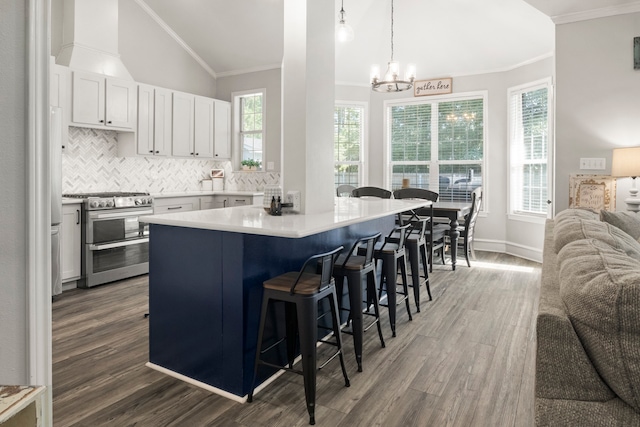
414	261
425	268
405	285
307	318
355	304
263	317
389	271
291	329
338	335
371	298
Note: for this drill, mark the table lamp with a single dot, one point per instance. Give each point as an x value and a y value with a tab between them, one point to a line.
626	163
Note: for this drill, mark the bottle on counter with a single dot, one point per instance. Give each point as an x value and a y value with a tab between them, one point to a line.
279	206
272	209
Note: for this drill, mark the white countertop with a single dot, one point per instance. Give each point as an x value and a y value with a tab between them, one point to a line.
207	193
254	219
71	201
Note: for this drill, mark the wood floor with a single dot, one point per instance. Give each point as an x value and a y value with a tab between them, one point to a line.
467	359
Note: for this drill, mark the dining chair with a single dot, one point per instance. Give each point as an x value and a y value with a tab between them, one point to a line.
372	192
435	233
467	229
345	190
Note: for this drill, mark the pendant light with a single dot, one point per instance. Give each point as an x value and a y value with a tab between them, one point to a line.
344	32
391	81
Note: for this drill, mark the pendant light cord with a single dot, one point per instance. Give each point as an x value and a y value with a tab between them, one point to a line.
391	30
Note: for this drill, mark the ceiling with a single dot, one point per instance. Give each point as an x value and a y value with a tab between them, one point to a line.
442	37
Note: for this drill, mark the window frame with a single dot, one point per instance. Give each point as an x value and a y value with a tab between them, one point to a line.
237	127
434	101
513	213
363	172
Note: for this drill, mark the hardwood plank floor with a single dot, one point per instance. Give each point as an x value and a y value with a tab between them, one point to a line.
467	359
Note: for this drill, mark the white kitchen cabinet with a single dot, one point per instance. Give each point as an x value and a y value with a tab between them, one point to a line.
222	129
175	204
182	119
203	127
154	121
103	102
192	134
231	200
70	242
208	202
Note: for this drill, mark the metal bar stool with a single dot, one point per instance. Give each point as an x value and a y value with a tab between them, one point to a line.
392	254
355	268
302	291
417	249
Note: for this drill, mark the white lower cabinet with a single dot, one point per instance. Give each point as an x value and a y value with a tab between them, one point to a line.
70	242
175	204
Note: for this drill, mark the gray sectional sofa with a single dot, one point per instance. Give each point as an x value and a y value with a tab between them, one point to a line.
588	325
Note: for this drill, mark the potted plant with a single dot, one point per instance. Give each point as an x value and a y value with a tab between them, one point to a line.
250	164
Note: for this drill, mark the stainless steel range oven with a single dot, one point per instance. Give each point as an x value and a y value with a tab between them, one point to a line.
115	243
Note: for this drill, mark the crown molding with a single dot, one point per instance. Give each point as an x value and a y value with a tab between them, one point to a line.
249	70
176	37
596	13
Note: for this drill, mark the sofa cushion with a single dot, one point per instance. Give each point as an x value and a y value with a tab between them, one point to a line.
600	286
576	213
629	222
577	229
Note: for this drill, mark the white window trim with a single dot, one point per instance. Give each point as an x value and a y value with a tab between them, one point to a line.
462	96
512	214
363	169
236	150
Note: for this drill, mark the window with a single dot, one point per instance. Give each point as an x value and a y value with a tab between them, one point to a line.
529	131
437	145
251	115
348	127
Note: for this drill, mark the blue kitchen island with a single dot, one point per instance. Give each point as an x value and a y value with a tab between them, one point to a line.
206	270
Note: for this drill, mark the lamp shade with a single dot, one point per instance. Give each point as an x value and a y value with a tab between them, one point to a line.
626	162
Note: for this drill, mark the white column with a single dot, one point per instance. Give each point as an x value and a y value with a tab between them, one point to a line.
308	87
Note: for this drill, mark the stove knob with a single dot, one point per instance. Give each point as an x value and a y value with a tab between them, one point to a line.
102	204
110	203
137	201
94	204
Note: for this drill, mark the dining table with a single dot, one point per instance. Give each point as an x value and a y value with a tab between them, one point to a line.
452	211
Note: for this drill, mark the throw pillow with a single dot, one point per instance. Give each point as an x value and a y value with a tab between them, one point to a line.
629	222
576	213
600	287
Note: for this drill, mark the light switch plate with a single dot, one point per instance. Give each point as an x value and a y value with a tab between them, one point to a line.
270	166
592	163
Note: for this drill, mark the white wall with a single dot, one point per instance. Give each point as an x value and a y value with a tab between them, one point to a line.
149	53
269	80
597	97
494	230
13	212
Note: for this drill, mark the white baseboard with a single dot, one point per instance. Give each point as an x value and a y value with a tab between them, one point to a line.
521	251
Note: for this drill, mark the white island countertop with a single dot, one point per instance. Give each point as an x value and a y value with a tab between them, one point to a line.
255	220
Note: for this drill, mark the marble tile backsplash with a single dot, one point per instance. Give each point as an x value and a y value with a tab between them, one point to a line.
90	163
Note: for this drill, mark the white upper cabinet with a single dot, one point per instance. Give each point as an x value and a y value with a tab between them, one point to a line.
99	101
222	129
192	134
203	127
182	134
154	121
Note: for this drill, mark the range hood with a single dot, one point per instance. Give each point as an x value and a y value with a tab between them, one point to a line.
90	38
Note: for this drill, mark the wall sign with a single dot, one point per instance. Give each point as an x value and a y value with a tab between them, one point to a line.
432	87
593	192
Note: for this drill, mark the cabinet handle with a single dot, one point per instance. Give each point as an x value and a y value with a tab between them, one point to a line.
240	200
101	121
157	152
216	155
192	154
171	208
77	216
224	203
151	151
197	154
109	122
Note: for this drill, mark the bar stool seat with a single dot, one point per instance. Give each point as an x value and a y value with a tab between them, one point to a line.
301	291
356	268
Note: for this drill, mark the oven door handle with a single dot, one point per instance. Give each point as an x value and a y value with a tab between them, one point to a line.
119	214
118	244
